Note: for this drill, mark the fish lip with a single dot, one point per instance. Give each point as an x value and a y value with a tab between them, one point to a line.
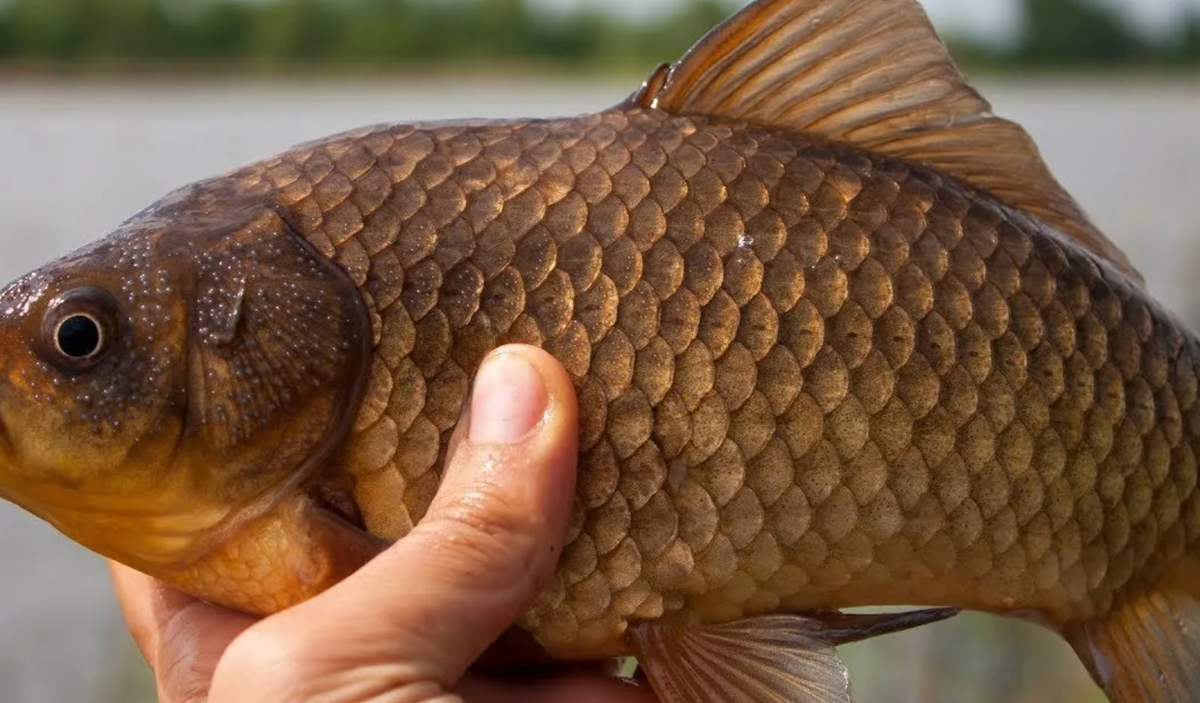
6	463
5	446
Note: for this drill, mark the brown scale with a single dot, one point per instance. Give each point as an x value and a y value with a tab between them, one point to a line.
810	376
838	335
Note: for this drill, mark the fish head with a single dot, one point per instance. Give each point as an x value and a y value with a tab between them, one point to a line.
91	383
178	380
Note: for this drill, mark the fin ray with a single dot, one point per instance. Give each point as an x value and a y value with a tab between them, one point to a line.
1147	651
843	628
766	659
874	74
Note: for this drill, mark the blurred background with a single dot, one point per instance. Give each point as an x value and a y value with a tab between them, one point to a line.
107	104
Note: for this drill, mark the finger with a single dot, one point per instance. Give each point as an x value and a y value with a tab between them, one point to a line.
495	529
146	604
438	597
181	638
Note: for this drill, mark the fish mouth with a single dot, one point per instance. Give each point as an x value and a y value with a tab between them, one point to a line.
5	453
146	529
10	488
132	529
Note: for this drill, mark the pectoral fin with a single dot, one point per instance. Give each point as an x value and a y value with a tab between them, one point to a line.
843	628
765	659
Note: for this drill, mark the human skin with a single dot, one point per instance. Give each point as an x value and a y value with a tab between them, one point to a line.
408	627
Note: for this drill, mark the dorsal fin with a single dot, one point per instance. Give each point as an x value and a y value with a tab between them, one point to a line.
874	74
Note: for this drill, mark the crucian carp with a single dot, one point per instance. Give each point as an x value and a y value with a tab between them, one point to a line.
840	339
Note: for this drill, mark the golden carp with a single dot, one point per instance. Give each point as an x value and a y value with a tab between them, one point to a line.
840	339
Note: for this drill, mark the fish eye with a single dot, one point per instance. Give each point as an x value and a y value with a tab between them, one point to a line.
79	336
80	326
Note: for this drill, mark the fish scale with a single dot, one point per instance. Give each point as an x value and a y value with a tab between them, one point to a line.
809	377
838	337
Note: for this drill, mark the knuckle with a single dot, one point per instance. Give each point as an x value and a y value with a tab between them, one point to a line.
265	662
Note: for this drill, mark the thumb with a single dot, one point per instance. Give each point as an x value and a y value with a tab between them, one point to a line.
423	611
494	532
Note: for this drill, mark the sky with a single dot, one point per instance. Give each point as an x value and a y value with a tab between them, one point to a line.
982	18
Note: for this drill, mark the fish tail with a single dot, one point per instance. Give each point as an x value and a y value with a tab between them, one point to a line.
1147	650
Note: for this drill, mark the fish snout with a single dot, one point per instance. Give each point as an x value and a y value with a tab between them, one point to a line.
5	444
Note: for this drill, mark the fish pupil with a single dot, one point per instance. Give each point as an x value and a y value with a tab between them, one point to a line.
79	337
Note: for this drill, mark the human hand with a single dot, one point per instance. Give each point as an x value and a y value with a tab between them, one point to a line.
407	626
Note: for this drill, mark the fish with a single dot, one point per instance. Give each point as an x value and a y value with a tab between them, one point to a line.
840	340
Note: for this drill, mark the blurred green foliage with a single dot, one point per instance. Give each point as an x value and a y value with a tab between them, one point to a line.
273	34
1084	32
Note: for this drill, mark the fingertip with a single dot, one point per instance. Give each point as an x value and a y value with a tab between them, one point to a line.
558	382
555	440
519	389
509	399
521	444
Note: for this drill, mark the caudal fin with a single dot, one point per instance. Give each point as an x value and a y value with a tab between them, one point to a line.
1146	651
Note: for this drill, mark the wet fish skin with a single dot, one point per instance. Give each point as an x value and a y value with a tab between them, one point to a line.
839	338
810	377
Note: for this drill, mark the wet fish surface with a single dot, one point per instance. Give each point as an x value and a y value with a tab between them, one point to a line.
839	337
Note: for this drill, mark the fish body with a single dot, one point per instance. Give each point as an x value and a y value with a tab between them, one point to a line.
838	336
809	377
